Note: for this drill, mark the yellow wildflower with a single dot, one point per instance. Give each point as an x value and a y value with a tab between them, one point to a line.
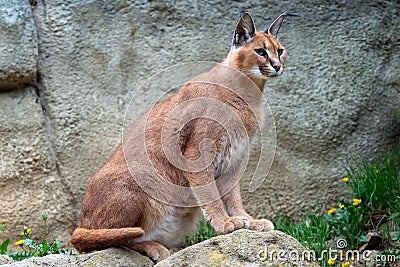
356	202
331	262
26	232
346	179
332	211
346	264
376	171
341	206
19	242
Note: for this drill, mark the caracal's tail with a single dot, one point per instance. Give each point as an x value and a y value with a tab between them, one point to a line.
86	240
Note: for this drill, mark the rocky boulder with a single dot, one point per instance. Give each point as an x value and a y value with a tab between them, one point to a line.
113	257
244	248
240	248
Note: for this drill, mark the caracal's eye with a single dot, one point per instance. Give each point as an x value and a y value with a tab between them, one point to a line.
280	51
260	52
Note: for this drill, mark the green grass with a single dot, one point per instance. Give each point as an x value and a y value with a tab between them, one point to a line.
377	184
312	231
203	232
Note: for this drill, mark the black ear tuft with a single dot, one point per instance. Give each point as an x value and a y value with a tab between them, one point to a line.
245	29
276	25
241	12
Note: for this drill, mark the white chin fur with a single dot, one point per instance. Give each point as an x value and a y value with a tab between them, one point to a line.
256	72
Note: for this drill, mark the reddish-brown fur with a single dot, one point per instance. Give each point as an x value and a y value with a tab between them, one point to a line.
117	209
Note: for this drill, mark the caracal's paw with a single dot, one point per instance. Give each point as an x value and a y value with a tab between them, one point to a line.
262	225
158	253
232	224
153	250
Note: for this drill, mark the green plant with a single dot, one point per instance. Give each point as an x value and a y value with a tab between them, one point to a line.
376	202
395	213
203	232
349	222
4	244
377	185
40	249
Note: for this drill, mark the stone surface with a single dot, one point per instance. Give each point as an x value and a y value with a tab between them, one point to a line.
243	248
112	257
337	99
240	248
5	260
18	44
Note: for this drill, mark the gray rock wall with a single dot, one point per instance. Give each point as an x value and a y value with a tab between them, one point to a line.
18	44
337	99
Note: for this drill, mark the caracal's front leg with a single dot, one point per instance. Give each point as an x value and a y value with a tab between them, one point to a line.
206	192
234	207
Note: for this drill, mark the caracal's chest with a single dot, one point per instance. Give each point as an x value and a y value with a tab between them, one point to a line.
232	154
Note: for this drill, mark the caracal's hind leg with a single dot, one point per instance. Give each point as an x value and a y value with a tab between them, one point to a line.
153	250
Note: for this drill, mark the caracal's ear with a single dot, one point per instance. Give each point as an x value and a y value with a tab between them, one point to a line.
276	25
245	30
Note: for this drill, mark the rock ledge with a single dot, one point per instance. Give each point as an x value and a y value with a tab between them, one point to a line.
240	248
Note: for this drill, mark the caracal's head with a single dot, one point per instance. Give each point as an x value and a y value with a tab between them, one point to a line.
258	54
